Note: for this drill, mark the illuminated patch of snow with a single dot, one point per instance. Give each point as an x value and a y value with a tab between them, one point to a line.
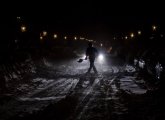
115	69
81	68
127	83
43	87
42	80
130	68
74	83
68	87
85	84
42	99
90	88
114	88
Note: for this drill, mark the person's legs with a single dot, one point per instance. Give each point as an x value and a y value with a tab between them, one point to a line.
90	66
94	68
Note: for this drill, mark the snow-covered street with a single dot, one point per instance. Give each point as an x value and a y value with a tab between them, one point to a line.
63	90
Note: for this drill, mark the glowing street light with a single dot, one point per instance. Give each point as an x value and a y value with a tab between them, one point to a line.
23	28
44	33
55	36
132	35
101	45
126	37
75	38
139	32
41	38
154	27
65	37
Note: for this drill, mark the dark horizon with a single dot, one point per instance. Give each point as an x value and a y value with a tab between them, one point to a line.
94	26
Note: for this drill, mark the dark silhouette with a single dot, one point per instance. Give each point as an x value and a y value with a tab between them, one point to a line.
91	53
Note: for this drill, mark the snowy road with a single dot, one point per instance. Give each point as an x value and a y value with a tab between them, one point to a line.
64	91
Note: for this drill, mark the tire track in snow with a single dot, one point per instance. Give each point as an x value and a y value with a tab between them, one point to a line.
85	99
60	90
47	87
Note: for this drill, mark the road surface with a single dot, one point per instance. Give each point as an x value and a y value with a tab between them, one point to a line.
61	90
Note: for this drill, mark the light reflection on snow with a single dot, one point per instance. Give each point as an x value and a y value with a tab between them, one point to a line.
68	76
130	68
42	99
127	84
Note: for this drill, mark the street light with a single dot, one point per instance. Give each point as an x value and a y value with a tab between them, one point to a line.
41	38
139	32
55	36
65	37
23	28
44	33
154	27
126	37
75	38
132	35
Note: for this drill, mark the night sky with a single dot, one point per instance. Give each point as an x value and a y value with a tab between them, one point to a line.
95	25
94	18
